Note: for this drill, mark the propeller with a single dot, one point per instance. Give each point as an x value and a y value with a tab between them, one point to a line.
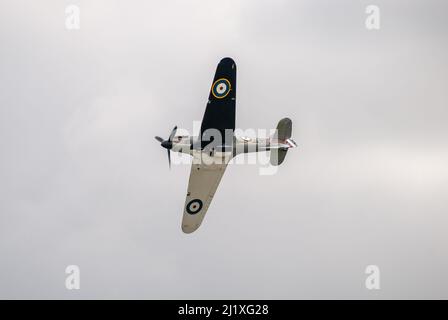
168	144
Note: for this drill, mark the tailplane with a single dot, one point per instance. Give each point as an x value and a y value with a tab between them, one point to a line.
283	141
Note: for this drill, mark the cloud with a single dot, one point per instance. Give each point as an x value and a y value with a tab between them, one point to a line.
84	182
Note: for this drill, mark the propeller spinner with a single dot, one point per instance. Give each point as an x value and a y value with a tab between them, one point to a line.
168	144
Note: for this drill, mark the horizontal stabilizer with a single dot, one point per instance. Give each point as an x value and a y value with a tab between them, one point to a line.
277	156
284	129
282	136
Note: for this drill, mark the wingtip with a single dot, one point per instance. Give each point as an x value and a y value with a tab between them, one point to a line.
189	229
227	60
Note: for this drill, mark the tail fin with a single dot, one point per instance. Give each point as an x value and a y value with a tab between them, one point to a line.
283	133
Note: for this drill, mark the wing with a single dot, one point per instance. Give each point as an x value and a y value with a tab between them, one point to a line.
220	111
204	180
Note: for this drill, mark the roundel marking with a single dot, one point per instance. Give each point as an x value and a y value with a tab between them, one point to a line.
194	206
221	88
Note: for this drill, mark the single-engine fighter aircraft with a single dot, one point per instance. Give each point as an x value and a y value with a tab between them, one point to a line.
212	152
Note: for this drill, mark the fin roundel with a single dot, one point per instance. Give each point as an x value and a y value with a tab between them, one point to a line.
194	206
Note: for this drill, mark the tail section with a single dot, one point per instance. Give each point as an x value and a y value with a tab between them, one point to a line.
283	139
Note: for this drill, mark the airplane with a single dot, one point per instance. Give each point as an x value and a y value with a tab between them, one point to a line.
211	153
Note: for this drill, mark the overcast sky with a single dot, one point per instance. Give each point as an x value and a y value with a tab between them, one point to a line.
83	181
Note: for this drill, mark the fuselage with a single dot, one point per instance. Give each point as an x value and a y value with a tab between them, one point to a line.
190	145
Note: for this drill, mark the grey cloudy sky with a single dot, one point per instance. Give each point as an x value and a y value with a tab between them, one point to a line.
83	181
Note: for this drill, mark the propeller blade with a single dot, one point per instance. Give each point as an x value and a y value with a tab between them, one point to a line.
167	144
169	158
172	134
